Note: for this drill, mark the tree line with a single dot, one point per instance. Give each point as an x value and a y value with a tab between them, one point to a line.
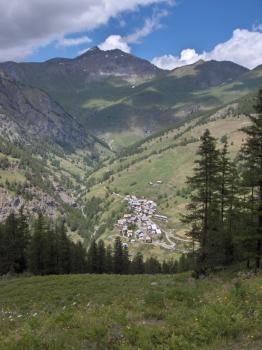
225	209
44	248
116	259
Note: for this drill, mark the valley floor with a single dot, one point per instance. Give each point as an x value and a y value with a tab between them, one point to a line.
103	312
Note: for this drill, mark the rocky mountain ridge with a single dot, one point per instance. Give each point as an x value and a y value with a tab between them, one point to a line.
29	115
113	93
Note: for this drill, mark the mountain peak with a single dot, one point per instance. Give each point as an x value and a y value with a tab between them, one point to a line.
88	52
99	64
93	49
97	50
201	61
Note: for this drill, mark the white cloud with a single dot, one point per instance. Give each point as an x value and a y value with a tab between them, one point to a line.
187	56
27	25
115	42
122	42
74	41
150	25
244	48
257	27
81	52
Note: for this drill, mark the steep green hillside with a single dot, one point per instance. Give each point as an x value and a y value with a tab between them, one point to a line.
184	93
44	180
156	169
44	155
131	312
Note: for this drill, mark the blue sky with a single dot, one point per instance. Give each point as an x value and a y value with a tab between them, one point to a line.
158	30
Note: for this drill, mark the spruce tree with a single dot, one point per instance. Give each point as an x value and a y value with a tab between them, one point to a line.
8	262
126	261
36	250
24	238
138	266
77	258
118	256
228	192
92	257
225	169
101	257
50	250
252	175
13	242
109	260
203	213
64	262
233	214
165	267
152	266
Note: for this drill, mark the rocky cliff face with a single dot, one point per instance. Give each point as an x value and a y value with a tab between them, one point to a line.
31	115
40	202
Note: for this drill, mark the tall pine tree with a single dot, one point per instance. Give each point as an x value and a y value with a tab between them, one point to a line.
252	175
203	213
101	257
118	256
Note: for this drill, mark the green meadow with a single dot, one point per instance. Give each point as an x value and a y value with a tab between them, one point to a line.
176	312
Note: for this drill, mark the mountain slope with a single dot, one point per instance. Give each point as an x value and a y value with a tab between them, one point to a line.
207	74
123	98
156	168
44	154
182	93
29	114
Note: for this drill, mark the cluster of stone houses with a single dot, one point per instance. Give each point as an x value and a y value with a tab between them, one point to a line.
138	226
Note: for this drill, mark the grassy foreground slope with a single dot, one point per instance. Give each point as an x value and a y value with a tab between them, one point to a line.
131	312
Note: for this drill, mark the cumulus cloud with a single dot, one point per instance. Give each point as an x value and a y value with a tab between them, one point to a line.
187	56
28	25
66	42
115	42
244	48
122	42
257	27
150	25
81	52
